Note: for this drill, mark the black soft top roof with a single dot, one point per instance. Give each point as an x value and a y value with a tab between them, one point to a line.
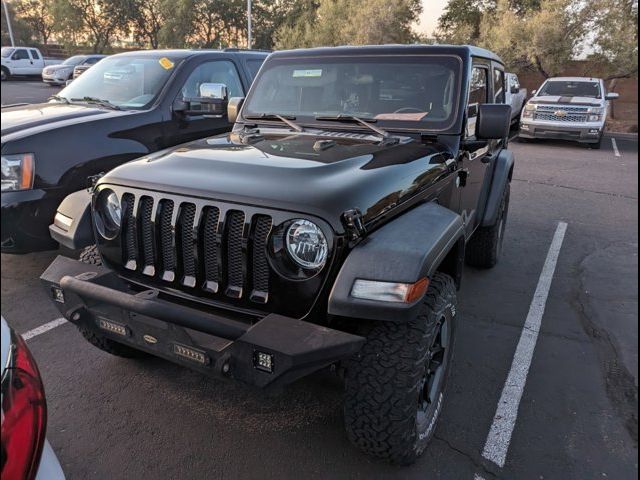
458	50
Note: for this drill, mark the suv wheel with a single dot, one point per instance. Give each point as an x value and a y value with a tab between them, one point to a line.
395	384
4	74
91	256
485	245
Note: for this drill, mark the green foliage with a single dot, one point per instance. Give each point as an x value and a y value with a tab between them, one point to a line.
347	22
22	31
37	14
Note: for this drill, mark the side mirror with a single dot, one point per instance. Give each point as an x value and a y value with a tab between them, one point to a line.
211	102
494	120
68	82
233	109
533	93
515	89
612	96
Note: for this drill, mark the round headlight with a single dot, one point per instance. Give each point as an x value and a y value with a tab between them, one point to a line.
306	244
109	214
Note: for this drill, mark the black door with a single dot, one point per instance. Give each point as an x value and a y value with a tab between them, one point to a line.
474	162
184	128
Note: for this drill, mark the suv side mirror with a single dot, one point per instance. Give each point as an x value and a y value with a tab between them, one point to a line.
233	109
515	89
212	101
494	120
533	93
612	96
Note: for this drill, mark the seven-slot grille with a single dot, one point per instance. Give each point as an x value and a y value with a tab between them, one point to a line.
203	248
571	114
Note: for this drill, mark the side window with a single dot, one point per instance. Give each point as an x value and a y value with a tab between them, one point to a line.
253	66
34	54
498	86
478	93
21	54
92	60
218	71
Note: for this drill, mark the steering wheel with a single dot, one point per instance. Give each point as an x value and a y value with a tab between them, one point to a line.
409	109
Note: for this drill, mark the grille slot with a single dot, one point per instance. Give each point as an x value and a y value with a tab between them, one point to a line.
259	260
145	209
235	257
210	249
167	247
185	222
197	247
130	251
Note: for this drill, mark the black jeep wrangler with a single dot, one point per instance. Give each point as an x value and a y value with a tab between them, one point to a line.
329	228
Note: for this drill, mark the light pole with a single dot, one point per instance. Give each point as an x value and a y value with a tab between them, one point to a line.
6	14
249	24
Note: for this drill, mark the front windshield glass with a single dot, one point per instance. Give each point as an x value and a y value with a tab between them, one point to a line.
6	52
407	91
74	60
127	81
571	89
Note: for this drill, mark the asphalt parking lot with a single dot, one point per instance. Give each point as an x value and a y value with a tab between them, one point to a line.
577	418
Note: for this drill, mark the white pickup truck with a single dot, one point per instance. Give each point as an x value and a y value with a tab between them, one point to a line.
24	61
567	108
516	96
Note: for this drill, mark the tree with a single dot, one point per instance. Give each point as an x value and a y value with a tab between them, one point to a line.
148	17
37	15
22	32
322	23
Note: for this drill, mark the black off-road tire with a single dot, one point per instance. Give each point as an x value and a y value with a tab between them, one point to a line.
385	411
484	247
91	256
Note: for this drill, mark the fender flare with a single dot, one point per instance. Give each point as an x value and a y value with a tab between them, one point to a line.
404	250
72	225
502	173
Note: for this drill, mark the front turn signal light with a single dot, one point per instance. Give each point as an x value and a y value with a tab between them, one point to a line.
389	291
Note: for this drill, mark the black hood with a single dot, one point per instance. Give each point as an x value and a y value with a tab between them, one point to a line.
50	116
288	173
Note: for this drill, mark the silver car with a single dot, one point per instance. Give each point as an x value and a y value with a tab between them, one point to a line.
59	74
25	452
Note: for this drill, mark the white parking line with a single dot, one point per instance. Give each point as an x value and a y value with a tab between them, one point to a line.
616	152
44	328
497	444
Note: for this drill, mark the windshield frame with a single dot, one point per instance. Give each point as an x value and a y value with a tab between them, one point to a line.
541	92
10	50
389	125
177	63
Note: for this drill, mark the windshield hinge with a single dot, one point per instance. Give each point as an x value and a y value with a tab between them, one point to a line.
353	223
92	180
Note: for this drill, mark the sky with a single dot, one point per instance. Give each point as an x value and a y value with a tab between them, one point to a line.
431	11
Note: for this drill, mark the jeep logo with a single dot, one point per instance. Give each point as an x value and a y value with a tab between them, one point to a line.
560	113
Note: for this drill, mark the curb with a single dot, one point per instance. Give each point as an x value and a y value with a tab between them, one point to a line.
623	136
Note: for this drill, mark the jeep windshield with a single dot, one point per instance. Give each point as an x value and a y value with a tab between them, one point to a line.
126	82
401	92
570	89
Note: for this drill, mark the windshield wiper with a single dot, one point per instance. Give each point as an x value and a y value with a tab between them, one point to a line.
342	117
274	116
59	98
97	101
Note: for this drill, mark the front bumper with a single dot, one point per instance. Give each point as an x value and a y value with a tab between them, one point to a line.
26	216
580	132
99	300
55	79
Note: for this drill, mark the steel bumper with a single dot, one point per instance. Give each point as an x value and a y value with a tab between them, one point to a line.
97	299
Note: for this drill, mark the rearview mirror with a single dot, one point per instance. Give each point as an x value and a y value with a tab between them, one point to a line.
494	120
612	96
233	109
212	101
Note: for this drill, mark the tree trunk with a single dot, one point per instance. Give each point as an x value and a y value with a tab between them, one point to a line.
539	67
612	87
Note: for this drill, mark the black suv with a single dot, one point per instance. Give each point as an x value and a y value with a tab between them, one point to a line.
329	228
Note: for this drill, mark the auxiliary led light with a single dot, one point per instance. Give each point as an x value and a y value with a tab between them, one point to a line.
263	361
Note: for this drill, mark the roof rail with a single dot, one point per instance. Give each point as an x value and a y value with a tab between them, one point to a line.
235	49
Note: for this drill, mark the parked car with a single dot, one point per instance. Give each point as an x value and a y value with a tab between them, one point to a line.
567	108
83	67
18	61
516	96
25	453
330	226
128	105
60	73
